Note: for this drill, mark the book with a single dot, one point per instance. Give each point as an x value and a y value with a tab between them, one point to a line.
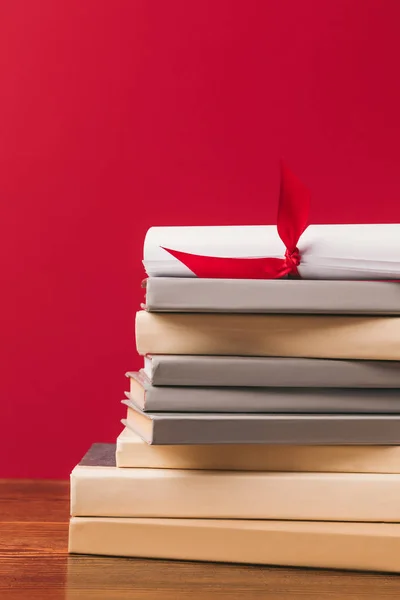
253	371
132	451
101	490
192	294
150	398
327	251
256	428
350	337
357	546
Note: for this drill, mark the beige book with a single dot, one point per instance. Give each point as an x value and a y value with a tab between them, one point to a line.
316	336
132	451
358	546
101	490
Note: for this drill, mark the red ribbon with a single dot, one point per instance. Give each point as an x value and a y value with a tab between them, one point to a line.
293	210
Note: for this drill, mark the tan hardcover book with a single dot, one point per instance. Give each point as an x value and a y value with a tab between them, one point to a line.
314	336
357	546
101	490
132	451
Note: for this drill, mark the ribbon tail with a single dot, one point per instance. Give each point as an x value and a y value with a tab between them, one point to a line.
294	204
294	208
212	267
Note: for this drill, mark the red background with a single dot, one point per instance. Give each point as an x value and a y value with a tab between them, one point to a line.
115	116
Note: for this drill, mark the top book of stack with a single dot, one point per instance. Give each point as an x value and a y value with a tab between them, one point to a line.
344	269
339	269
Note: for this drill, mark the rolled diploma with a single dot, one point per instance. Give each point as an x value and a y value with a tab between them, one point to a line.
327	251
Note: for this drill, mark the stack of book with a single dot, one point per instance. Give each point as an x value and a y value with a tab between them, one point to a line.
263	428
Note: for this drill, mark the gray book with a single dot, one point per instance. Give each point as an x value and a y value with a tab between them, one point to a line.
253	371
206	428
190	294
150	398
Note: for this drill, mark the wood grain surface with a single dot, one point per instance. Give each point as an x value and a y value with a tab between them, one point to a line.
34	564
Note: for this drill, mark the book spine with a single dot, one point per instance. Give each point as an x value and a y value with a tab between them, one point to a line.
174	294
369	338
276	429
324	459
233	371
105	491
356	546
270	400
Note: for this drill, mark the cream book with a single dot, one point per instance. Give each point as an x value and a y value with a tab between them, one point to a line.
132	451
316	336
355	546
99	489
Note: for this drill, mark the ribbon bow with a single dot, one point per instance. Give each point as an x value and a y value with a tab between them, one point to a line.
293	210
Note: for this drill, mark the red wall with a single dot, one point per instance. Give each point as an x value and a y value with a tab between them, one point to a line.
115	116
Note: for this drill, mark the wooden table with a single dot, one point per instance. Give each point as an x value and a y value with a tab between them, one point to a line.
34	564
